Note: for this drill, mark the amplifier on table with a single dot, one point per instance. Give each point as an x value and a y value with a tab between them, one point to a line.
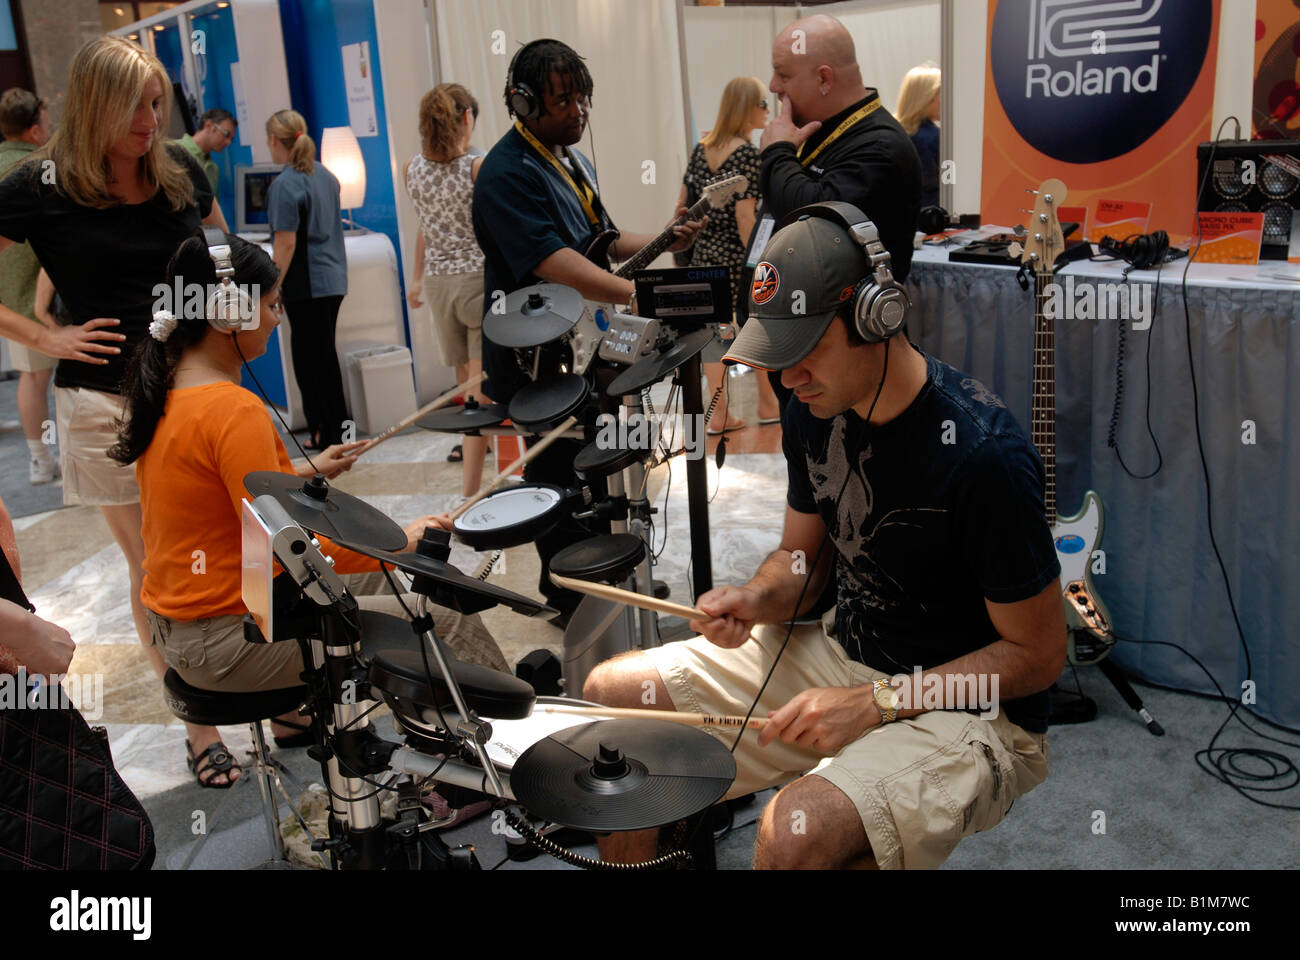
1250	176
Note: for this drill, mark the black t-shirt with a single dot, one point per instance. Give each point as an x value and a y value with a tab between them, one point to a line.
103	263
872	165
523	211
945	511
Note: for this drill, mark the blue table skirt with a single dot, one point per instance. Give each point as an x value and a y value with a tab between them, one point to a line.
1162	581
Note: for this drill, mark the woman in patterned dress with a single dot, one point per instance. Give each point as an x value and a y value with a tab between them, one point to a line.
722	152
440	182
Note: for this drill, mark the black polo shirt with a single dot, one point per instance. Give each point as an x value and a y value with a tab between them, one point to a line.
872	165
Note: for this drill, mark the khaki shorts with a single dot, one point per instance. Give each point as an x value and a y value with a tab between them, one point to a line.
27	360
920	785
456	302
212	654
87	428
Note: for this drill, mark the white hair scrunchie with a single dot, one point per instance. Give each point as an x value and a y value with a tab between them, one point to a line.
164	322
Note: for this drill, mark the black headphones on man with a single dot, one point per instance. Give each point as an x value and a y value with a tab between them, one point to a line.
229	306
520	98
880	303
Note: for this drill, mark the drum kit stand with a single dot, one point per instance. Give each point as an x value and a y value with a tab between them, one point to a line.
631	773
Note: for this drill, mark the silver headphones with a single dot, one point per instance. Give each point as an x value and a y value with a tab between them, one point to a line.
880	303
229	307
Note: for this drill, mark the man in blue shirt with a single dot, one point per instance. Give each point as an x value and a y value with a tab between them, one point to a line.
536	210
920	707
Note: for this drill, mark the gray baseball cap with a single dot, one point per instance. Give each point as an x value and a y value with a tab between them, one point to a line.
807	271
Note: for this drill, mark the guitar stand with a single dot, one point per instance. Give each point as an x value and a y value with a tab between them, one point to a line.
1080	708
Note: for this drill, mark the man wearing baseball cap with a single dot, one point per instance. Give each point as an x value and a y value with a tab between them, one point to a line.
915	713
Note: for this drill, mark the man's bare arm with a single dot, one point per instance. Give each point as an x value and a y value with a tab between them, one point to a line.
572	269
1026	659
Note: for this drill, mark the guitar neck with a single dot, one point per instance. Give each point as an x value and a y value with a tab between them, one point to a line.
1043	417
659	244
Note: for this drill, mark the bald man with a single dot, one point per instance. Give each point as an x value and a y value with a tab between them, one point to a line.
833	140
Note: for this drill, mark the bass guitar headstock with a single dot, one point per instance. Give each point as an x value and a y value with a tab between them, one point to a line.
1043	241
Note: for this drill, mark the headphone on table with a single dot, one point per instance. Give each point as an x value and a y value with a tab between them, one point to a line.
1142	250
520	98
229	306
880	303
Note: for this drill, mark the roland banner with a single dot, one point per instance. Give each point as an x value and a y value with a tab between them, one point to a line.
1110	96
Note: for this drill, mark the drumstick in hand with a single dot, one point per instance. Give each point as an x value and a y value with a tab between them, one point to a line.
429	407
501	477
671	716
631	598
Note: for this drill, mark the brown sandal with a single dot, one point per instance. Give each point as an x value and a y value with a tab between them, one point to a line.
210	763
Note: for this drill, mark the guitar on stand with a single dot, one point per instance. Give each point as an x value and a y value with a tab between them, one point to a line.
1076	537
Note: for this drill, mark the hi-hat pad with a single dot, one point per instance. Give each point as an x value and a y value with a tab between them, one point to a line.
467	419
650	370
448	587
316	506
622	775
534	315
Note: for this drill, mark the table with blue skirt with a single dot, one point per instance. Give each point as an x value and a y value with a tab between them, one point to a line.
1162	581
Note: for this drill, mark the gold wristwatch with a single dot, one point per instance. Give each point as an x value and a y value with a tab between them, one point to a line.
886	698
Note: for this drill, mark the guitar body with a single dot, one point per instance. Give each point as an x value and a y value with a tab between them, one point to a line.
598	250
1076	539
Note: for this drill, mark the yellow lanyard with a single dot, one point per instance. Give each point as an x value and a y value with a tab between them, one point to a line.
866	110
584	195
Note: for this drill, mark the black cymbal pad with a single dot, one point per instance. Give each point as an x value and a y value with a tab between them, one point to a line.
622	774
316	506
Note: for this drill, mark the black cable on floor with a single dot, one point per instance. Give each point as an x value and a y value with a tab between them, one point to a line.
1222	763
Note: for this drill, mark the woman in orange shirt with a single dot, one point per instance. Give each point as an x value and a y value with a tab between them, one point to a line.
194	433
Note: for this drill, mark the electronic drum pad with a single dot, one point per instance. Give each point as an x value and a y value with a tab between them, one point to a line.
622	775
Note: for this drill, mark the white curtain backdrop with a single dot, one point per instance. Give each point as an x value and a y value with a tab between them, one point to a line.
631	50
637	119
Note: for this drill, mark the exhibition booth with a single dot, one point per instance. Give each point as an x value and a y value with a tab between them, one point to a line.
1113	259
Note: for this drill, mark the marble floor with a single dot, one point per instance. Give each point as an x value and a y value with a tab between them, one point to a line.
77	577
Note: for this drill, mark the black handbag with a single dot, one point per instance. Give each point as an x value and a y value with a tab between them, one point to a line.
63	805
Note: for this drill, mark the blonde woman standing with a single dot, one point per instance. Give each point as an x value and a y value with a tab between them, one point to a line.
104	205
724	151
307	245
918	113
440	182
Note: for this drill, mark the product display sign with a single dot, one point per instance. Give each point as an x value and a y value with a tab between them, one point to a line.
1111	98
1229	238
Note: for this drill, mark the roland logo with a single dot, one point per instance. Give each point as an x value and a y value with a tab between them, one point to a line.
1087	32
